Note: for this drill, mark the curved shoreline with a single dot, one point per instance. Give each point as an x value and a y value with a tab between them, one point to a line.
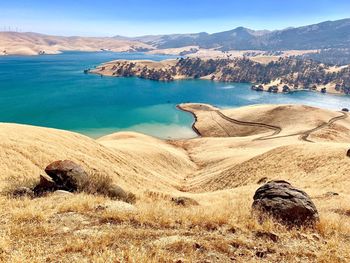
194	122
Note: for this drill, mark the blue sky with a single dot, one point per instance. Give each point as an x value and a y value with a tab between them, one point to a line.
137	17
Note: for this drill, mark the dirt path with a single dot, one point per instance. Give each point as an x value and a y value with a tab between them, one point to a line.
304	136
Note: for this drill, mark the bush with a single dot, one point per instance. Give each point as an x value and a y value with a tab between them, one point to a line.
102	184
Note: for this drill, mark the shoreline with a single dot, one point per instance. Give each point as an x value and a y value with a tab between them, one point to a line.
195	119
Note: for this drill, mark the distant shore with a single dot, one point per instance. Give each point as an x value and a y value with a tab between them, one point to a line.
276	77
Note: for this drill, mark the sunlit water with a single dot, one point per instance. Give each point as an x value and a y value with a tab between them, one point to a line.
52	91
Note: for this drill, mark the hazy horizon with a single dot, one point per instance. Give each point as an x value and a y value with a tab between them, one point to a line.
138	18
10	29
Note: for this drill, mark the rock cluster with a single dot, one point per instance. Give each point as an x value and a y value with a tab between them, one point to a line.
285	203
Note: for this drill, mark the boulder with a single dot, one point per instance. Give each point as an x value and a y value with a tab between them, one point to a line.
46	184
285	203
184	201
67	175
23	192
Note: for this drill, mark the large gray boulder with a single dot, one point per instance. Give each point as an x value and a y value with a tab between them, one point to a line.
67	175
285	203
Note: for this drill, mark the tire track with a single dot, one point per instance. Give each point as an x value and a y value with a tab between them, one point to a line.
276	129
218	123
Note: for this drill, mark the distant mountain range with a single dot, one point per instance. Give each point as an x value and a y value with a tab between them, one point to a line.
329	34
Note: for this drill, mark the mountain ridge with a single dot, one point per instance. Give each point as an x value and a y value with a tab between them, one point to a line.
327	34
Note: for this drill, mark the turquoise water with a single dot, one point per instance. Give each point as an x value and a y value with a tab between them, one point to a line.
52	91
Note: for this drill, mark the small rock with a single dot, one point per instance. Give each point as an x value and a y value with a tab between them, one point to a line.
285	203
62	193
23	192
184	201
67	175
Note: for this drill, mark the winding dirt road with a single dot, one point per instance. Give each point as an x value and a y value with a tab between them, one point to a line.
304	136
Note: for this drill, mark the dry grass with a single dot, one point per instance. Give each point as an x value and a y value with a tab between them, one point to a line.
221	174
12	183
73	229
31	44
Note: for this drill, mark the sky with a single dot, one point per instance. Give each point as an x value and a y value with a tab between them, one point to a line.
137	17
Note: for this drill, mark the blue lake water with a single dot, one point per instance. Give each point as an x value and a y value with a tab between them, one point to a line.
52	91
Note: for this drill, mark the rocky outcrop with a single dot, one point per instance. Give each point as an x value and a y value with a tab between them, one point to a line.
285	203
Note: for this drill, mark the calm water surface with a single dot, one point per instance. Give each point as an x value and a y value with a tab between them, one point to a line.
52	91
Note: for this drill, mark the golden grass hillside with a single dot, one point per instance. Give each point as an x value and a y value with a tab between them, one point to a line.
220	170
13	43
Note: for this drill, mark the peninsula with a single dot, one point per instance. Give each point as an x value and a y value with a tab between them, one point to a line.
280	75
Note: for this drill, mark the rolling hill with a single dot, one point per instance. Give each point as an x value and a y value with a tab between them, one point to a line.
238	150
